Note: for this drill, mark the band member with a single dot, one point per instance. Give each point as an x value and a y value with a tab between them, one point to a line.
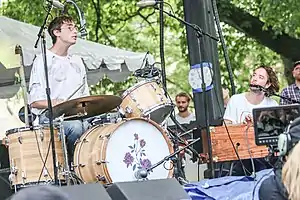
240	106
66	74
293	90
183	116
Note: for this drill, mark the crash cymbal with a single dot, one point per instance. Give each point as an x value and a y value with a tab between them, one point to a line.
86	106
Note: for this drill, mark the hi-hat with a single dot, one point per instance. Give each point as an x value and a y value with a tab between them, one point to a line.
85	107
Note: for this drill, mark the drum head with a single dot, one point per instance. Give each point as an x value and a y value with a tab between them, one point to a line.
137	144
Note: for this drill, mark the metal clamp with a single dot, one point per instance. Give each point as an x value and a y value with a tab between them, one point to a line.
128	110
99	162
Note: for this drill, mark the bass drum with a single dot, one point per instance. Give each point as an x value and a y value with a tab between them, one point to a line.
114	152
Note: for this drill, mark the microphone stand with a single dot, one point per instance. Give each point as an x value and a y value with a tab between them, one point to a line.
199	33
41	35
285	98
265	90
178	138
144	175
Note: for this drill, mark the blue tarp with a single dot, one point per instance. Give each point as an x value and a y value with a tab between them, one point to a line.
228	188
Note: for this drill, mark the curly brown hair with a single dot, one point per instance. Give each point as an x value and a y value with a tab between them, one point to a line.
272	80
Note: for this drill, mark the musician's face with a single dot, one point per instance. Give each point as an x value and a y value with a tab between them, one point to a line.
67	34
296	72
260	77
182	104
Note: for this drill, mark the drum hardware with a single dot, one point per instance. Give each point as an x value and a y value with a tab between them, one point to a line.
42	136
128	110
139	107
99	162
101	178
143	173
20	139
107	136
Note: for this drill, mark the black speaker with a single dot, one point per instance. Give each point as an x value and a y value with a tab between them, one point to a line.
4	173
86	192
168	189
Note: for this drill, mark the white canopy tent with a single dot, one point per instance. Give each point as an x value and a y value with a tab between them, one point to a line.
99	59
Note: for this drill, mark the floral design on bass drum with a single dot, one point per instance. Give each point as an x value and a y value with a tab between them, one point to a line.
136	157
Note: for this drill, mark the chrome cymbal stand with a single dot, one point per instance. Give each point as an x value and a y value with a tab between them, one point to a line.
66	167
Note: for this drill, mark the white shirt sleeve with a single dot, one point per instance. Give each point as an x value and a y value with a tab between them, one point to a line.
230	111
37	82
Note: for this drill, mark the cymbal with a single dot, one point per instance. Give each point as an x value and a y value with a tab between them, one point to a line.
85	107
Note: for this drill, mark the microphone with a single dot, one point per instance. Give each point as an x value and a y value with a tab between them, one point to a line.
83	32
141	174
261	88
56	4
147	3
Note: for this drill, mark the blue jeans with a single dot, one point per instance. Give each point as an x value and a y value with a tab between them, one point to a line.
73	130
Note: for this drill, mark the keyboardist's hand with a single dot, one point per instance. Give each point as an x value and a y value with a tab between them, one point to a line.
248	120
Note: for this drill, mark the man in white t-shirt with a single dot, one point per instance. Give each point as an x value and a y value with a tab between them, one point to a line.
183	116
240	106
66	74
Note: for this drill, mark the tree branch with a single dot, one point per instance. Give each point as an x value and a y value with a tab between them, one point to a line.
283	44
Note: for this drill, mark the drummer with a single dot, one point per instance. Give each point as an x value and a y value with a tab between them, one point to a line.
66	74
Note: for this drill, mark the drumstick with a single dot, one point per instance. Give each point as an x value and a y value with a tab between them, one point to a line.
43	111
69	97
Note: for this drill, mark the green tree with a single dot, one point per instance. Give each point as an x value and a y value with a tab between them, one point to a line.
253	30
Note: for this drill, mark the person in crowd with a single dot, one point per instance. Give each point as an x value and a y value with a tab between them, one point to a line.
184	116
40	193
292	92
291	174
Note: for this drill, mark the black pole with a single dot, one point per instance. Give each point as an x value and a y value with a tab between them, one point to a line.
199	34
41	35
162	45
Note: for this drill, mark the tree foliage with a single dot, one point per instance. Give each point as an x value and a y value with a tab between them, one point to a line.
121	24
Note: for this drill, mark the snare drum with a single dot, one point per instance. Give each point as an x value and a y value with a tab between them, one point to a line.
114	152
146	99
27	152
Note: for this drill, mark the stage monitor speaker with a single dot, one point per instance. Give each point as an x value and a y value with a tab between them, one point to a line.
4	173
86	191
168	189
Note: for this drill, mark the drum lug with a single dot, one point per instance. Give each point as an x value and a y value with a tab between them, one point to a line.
20	139
132	97
154	88
99	162
101	137
6	141
42	136
139	107
23	175
128	110
101	178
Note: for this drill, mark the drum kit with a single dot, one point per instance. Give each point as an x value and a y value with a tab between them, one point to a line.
113	149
